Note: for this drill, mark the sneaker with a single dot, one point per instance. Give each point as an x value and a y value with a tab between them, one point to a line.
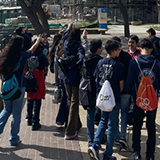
116	141
122	141
29	123
36	127
69	137
14	145
93	152
79	129
150	157
26	117
136	156
89	144
59	124
109	158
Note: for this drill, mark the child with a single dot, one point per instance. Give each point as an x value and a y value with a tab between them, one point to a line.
145	61
45	44
90	63
38	64
108	68
13	53
151	34
133	44
125	59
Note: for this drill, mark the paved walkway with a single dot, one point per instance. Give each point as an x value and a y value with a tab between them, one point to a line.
48	143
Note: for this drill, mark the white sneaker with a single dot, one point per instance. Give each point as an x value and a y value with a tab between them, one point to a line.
69	137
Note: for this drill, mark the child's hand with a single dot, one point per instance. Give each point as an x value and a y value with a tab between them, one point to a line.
70	26
84	33
45	70
39	38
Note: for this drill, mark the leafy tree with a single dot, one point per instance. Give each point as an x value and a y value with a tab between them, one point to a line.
31	8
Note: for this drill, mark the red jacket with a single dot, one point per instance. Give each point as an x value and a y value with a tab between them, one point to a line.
40	94
135	54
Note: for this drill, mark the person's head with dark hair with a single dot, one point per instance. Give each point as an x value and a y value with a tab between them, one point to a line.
151	32
113	48
133	42
56	39
75	35
146	46
146	43
135	38
39	49
116	39
96	46
10	55
20	30
44	35
44	38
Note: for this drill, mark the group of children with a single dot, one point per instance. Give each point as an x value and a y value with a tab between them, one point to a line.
121	68
123	73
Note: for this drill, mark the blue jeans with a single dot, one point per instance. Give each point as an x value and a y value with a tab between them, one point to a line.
110	120
33	110
12	107
62	115
90	124
124	106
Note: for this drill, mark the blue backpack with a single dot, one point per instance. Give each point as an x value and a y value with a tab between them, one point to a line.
10	88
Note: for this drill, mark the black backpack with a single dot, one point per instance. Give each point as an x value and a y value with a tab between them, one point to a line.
86	95
31	83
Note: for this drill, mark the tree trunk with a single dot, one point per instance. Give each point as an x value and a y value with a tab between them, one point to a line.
158	10
31	14
125	17
43	19
37	6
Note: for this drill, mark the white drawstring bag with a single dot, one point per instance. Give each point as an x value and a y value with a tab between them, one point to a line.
105	100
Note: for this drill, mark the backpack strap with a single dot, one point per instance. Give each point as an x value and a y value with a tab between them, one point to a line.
17	65
139	66
141	69
153	66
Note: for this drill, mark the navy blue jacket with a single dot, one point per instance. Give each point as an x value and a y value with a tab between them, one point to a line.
103	70
72	77
134	74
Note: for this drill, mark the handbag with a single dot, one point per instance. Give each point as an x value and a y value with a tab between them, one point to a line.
10	88
57	94
86	98
105	100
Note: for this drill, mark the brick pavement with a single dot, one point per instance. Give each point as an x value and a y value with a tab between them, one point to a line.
46	144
